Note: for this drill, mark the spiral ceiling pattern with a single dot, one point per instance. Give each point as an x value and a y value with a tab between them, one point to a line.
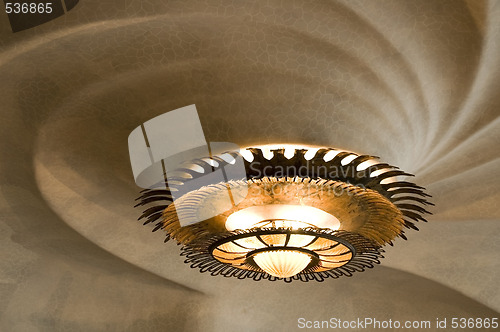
415	83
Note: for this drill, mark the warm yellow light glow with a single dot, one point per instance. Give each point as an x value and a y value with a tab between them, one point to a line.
283	215
273	223
300	240
250	243
282	263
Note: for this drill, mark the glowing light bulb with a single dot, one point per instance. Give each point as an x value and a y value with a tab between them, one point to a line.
285	215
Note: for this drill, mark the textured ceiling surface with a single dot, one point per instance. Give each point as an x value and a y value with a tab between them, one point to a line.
414	82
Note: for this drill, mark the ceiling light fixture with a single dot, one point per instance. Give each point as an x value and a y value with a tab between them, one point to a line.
298	214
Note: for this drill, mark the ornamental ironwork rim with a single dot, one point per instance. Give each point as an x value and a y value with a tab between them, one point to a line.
409	198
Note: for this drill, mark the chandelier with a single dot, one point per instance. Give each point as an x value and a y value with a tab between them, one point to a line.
296	213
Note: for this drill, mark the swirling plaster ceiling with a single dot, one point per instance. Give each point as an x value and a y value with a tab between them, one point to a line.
415	82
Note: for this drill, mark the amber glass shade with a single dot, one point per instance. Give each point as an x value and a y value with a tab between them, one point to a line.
282	263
